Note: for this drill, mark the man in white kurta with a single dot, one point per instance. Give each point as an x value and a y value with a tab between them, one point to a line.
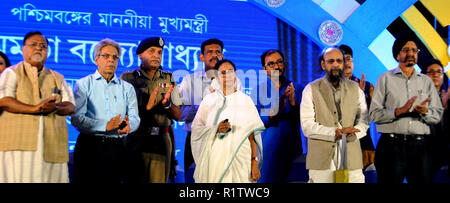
313	130
330	105
227	158
30	166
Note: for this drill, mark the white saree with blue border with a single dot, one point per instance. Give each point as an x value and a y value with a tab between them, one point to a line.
225	158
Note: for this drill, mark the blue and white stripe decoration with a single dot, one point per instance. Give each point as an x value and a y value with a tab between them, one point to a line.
362	23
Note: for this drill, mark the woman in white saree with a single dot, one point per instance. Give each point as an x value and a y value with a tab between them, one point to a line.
226	133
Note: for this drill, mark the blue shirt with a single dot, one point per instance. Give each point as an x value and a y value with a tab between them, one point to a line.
97	101
285	119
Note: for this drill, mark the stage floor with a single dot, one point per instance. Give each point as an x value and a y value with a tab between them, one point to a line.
298	173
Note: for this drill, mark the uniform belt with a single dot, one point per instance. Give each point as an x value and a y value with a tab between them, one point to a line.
406	137
157	130
103	138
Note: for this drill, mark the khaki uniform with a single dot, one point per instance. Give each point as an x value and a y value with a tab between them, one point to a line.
154	138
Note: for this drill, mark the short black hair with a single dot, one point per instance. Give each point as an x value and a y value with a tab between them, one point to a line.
324	51
270	52
431	62
211	41
346	49
32	33
219	63
3	55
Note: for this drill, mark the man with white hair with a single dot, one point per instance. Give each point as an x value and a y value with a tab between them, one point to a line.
106	112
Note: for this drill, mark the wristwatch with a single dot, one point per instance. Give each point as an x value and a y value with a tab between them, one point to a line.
168	107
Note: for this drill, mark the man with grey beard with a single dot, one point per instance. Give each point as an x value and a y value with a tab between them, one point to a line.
404	104
333	107
34	137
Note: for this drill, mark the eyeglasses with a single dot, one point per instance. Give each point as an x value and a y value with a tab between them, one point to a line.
439	72
415	51
331	61
106	56
348	59
272	64
34	45
225	72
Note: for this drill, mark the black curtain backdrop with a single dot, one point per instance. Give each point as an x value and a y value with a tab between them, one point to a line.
301	54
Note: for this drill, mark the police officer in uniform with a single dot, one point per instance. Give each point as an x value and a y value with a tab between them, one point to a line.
159	103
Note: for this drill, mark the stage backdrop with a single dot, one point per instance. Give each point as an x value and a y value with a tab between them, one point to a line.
74	27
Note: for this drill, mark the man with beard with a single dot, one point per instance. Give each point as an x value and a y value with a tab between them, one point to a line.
159	103
34	137
333	107
404	104
282	139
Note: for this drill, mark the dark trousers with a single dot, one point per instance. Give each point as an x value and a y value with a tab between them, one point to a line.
99	160
276	167
188	157
399	156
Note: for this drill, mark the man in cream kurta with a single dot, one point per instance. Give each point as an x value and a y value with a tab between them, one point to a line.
34	142
333	107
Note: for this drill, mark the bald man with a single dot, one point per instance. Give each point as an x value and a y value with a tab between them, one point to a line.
333	107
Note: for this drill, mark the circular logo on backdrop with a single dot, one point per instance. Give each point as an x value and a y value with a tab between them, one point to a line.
274	3
330	32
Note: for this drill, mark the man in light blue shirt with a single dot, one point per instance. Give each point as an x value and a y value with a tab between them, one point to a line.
106	111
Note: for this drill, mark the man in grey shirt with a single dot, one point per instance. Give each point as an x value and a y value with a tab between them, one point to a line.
404	103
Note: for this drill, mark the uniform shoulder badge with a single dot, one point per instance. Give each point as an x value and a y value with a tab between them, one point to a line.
164	73
126	74
161	42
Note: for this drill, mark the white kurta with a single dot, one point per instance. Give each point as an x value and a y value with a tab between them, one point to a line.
29	166
226	159
313	130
